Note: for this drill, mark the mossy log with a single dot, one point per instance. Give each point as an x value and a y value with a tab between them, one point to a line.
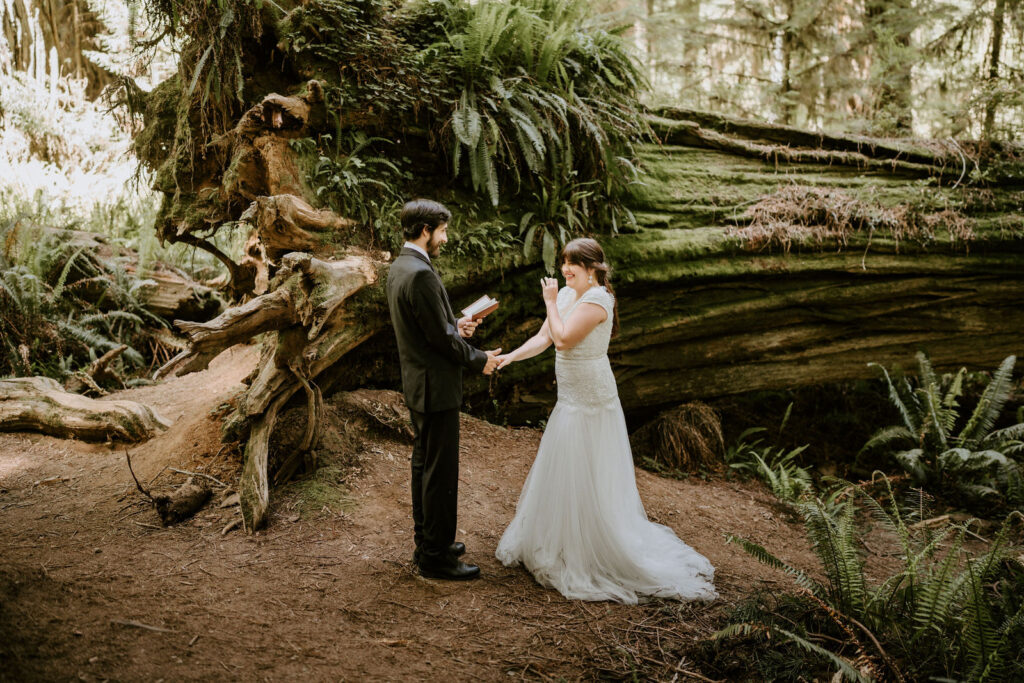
725	285
728	287
40	404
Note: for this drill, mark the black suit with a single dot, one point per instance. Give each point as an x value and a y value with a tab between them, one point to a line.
432	355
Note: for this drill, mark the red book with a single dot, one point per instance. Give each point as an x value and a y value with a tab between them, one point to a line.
481	308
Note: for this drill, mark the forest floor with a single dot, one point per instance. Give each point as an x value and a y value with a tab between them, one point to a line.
92	588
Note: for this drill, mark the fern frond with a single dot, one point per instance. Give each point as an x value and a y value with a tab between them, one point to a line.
981	636
762	555
936	596
888	435
844	667
1002	436
909	420
990	405
58	288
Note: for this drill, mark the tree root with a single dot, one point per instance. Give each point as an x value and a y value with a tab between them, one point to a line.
40	404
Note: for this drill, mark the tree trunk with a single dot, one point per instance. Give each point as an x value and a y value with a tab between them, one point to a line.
991	103
891	28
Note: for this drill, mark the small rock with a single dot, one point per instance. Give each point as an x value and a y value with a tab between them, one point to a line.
93	660
294	518
97	550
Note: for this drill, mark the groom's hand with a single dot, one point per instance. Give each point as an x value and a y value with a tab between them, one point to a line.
467	326
493	359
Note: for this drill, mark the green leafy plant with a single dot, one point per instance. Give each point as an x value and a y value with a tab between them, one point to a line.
547	101
774	465
59	312
942	449
971	602
350	177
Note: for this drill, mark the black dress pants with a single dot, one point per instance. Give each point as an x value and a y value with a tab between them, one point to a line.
435	481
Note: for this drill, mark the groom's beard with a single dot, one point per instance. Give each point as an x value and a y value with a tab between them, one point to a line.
433	247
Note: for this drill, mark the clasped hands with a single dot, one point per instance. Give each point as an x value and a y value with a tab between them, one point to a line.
495	360
467	326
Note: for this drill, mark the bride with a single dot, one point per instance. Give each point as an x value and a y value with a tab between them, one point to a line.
579	526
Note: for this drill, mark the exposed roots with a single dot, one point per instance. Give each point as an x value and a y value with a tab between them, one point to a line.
687	438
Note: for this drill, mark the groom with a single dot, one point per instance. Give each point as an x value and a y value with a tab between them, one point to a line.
432	350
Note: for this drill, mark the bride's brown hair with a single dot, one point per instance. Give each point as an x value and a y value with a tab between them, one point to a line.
586	252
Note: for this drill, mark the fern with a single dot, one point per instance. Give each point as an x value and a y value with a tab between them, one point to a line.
934	597
894	396
974	462
937	595
760	554
844	667
990	405
888	436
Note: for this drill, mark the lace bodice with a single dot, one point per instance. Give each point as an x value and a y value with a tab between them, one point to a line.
583	373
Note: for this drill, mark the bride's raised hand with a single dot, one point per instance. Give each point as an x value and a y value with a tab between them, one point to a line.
503	360
549	289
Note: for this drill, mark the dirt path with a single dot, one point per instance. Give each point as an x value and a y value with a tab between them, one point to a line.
91	588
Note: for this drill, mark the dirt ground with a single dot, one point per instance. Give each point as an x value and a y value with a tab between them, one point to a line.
92	588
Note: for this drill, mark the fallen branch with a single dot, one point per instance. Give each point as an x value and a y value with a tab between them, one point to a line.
139	624
215	480
180	504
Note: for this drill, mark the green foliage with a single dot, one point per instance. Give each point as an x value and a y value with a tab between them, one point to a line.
529	98
352	182
970	601
547	101
59	311
944	450
470	238
213	57
774	465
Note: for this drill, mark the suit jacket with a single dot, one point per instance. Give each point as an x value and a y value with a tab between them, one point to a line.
430	349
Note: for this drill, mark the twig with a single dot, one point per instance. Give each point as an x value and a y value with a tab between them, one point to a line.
215	480
137	484
139	624
148	526
150	482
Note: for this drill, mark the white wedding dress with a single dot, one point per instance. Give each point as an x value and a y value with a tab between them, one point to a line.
579	526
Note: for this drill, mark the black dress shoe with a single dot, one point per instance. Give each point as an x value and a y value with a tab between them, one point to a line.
457	549
449	571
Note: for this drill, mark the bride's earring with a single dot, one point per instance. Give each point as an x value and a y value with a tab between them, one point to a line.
590	279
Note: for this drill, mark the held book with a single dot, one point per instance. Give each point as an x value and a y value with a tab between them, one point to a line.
481	308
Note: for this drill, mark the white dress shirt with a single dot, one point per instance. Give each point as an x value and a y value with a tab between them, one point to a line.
417	248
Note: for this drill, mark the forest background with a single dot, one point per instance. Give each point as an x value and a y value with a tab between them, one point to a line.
945	75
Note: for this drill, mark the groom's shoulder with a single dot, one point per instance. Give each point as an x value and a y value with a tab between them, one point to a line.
408	263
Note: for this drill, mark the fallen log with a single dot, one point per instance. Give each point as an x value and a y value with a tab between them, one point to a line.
40	404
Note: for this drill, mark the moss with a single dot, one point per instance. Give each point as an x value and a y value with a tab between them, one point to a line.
322	492
153	144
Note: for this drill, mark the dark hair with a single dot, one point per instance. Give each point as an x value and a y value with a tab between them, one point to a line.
422	213
586	252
